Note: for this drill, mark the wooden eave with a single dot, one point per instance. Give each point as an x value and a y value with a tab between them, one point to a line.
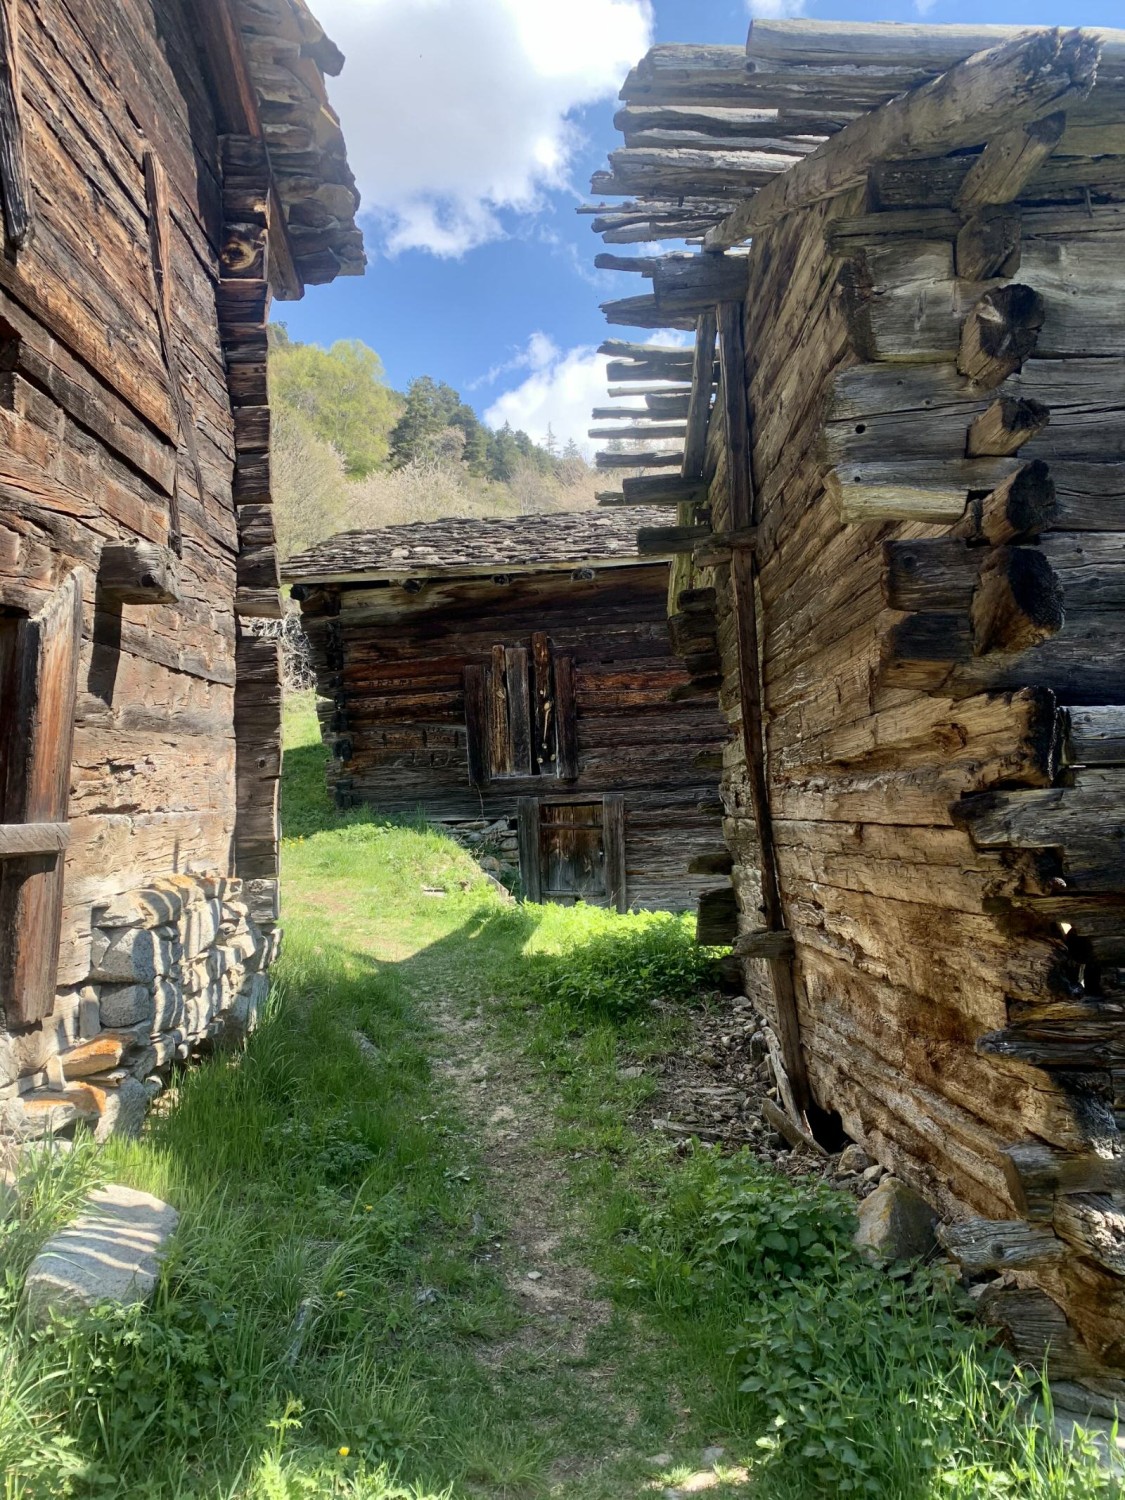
247	45
470	574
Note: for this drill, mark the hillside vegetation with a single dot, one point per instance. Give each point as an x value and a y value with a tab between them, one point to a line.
351	452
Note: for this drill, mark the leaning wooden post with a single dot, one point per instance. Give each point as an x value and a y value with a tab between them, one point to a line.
732	361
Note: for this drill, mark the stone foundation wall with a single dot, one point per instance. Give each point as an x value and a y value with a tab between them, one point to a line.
175	968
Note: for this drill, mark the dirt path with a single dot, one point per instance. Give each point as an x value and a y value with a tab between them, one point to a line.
494	1095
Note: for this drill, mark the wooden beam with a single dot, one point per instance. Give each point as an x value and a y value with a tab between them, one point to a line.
988	244
1000	333
646	460
1005	426
1008	161
1009	85
15	189
641	431
732	361
236	104
663	541
138	573
702	386
613	849
33	838
1018	601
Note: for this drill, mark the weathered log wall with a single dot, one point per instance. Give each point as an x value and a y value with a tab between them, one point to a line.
940	677
391	670
119	356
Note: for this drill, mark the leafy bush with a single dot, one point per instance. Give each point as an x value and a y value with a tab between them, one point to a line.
626	963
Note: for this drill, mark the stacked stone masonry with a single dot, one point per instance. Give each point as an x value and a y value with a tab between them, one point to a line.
175	969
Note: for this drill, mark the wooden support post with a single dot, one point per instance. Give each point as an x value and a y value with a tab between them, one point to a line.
732	357
988	244
613	844
531	871
15	190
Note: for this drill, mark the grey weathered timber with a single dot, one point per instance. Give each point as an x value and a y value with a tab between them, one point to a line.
1019	81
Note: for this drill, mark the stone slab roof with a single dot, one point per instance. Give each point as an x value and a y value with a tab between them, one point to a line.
554	540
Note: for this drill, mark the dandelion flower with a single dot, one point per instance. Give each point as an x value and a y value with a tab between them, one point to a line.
344	1451
340	1296
369	1208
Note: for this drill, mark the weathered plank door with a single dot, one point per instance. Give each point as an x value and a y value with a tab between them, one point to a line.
573	851
38	686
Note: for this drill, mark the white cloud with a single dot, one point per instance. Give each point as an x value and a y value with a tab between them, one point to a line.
457	109
561	390
775	10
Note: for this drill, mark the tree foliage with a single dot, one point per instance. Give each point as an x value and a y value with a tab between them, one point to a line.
341	394
349	452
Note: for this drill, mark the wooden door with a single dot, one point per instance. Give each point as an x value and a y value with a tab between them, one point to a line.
572	851
38	686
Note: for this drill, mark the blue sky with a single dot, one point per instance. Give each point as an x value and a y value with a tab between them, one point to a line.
481	273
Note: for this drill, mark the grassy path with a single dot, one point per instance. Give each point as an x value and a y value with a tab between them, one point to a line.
425	1252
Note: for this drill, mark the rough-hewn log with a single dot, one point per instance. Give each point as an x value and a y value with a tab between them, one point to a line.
1004	428
662	541
1019	81
1023	505
912	491
988	244
765	944
982	1245
935	573
1096	736
702	385
646	460
1017	603
1007	161
138	573
1038	1174
1000	333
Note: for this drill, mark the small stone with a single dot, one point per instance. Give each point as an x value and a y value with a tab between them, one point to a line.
109	1254
711	1456
895	1221
660	1460
535	1275
853	1159
873	1172
632	1072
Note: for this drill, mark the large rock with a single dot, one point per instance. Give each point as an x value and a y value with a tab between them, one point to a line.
896	1222
109	1254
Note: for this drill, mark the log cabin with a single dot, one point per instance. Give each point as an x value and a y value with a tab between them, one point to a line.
516	675
166	166
903	478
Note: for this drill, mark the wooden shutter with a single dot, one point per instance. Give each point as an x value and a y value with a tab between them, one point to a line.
566	718
613	844
519	708
531	868
38	687
477	743
544	749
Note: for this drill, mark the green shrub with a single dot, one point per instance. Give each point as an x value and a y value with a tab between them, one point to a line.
625	964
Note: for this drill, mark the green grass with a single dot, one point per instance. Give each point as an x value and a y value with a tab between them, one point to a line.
335	1319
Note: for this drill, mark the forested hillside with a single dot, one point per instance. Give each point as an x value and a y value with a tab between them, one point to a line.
349	451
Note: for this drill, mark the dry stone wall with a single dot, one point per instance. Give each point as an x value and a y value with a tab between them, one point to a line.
174	968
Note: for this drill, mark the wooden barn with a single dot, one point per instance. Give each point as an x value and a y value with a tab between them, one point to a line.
517	675
165	167
909	500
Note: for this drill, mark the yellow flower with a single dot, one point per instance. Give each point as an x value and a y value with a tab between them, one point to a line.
344	1451
340	1295
369	1208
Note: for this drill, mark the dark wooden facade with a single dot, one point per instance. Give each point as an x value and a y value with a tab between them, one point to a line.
161	168
909	503
521	672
